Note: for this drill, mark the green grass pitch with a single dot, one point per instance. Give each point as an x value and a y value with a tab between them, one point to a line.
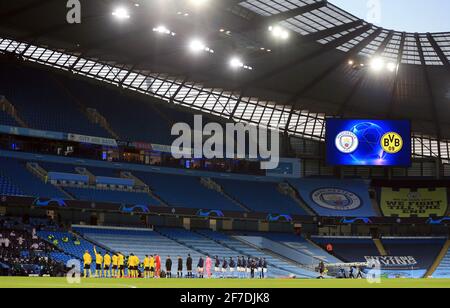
27	282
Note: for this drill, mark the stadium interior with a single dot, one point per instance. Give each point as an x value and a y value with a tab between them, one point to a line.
87	110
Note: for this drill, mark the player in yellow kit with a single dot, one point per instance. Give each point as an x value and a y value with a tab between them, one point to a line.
87	259
115	265
121	264
107	265
133	266
130	265
98	263
152	267
146	267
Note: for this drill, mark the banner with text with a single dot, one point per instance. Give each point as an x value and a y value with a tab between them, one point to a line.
422	202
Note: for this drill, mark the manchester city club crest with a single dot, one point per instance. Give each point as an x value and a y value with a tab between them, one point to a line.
347	142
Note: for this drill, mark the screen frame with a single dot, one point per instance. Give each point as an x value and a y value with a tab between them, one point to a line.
327	162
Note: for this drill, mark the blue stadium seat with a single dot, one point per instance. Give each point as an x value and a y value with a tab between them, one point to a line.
186	191
25	182
43	103
6	119
261	197
112	196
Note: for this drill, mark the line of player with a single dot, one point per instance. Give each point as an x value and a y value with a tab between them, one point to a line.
119	266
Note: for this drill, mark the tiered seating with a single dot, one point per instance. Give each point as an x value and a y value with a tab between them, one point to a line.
186	191
246	250
132	119
261	197
70	248
139	242
6	119
112	196
43	103
443	270
23	254
26	182
7	188
313	254
350	249
424	251
210	247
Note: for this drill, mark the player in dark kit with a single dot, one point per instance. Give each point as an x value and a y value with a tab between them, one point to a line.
232	267
253	266
224	268
189	266
244	267
201	267
169	267
264	271
217	266
239	267
180	267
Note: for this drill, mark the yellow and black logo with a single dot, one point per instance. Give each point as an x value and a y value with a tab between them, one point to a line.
392	143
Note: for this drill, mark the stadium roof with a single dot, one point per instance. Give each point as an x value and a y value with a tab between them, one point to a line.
324	68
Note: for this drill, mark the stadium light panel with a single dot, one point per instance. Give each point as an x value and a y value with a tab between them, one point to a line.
199	3
279	33
237	63
121	13
197	46
377	64
391	67
163	30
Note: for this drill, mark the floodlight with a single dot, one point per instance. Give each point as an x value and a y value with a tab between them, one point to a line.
121	13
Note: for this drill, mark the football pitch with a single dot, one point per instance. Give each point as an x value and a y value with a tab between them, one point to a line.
29	282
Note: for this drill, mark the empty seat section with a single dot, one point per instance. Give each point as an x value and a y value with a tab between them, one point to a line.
112	196
43	103
6	119
261	197
7	188
443	270
186	191
349	249
132	119
309	249
26	182
424	251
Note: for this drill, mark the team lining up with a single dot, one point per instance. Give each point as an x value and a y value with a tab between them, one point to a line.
120	266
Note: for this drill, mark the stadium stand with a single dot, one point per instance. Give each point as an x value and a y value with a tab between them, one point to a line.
7	188
141	242
248	250
6	119
43	103
349	249
186	191
112	196
26	182
443	270
136	120
268	199
74	247
336	197
22	253
312	253
425	256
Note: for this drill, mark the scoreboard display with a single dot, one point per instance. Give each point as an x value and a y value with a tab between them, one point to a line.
368	143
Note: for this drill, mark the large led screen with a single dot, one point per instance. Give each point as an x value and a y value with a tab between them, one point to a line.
368	142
